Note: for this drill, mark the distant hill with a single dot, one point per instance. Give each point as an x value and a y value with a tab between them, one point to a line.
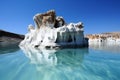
9	38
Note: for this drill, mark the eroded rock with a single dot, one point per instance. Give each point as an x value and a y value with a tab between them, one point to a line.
52	30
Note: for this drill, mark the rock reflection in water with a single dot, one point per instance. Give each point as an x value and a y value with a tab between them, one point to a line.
8	48
71	57
60	57
38	56
106	46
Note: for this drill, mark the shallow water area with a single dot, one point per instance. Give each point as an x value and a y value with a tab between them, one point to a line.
93	63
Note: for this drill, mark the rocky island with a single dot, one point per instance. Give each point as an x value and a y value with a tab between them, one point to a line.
52	31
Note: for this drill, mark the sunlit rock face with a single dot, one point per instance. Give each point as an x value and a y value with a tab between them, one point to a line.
52	31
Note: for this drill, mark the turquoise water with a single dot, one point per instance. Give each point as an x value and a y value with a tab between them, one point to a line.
93	63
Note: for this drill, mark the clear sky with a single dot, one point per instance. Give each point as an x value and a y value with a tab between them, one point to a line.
97	15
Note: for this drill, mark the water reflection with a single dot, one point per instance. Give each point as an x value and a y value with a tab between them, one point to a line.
38	56
71	57
8	48
106	46
65	64
64	57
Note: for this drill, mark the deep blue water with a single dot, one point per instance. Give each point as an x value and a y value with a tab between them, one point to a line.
98	62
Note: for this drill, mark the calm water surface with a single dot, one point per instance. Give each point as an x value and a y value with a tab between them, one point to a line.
98	62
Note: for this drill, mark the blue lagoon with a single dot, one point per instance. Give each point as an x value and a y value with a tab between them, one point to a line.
98	62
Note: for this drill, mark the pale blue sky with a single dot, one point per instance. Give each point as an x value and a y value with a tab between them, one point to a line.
97	15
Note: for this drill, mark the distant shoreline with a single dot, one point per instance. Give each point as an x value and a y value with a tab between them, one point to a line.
10	38
14	38
104	37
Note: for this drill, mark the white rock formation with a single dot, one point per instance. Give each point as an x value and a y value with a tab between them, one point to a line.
52	31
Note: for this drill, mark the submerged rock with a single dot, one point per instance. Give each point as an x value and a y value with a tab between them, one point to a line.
51	31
